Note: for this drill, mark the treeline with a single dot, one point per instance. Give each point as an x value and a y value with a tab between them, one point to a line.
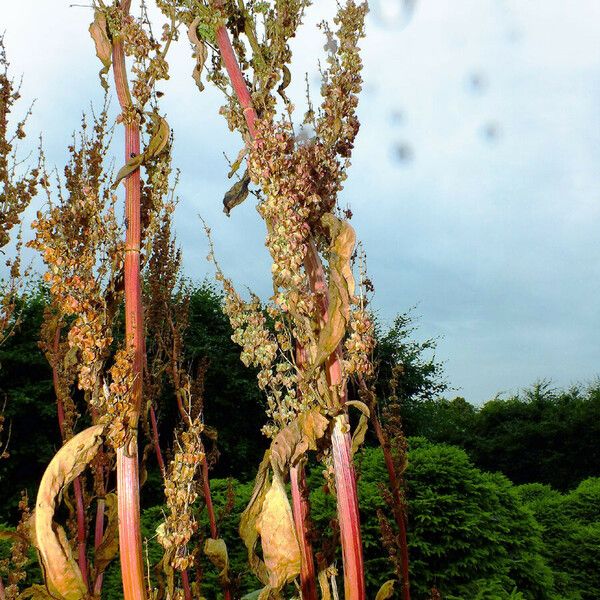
513	513
541	435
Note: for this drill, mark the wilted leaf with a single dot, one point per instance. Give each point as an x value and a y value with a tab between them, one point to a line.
298	437
237	194
216	551
363	424
99	32
386	590
61	572
248	530
109	547
275	525
159	138
286	78
341	287
237	162
200	52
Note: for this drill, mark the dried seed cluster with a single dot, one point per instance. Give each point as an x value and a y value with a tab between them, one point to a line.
181	492
79	239
17	189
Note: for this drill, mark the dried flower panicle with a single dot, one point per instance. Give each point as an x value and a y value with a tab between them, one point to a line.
18	186
299	180
181	492
13	568
79	239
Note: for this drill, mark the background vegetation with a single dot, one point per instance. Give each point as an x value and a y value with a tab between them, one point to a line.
504	499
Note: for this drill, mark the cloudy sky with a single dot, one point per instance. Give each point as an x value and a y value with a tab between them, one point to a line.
475	185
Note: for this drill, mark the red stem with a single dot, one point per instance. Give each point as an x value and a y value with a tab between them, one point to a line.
185	580
128	493
159	456
214	533
399	504
2	591
301	510
98	535
236	78
348	514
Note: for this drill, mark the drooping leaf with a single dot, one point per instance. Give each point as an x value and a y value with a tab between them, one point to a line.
99	32
200	52
61	572
248	519
216	551
275	525
341	287
298	437
159	139
358	437
109	547
237	194
386	591
132	165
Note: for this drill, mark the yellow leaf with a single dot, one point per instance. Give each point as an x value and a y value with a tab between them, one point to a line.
248	519
341	287
299	436
99	32
216	551
61	572
358	437
200	52
386	590
275	525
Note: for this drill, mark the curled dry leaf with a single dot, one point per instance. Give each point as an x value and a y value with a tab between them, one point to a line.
216	551
61	572
341	287
363	424
236	194
299	436
200	52
386	590
275	525
248	531
99	32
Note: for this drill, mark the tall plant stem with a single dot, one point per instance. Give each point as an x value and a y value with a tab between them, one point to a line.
128	490
301	510
348	514
77	489
399	503
98	536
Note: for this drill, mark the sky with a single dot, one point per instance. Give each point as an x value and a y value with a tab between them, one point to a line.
475	183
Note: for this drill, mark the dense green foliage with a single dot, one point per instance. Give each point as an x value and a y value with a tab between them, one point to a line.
472	534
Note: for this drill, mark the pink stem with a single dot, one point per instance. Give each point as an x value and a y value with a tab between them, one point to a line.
348	514
98	535
128	480
301	509
159	456
187	592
